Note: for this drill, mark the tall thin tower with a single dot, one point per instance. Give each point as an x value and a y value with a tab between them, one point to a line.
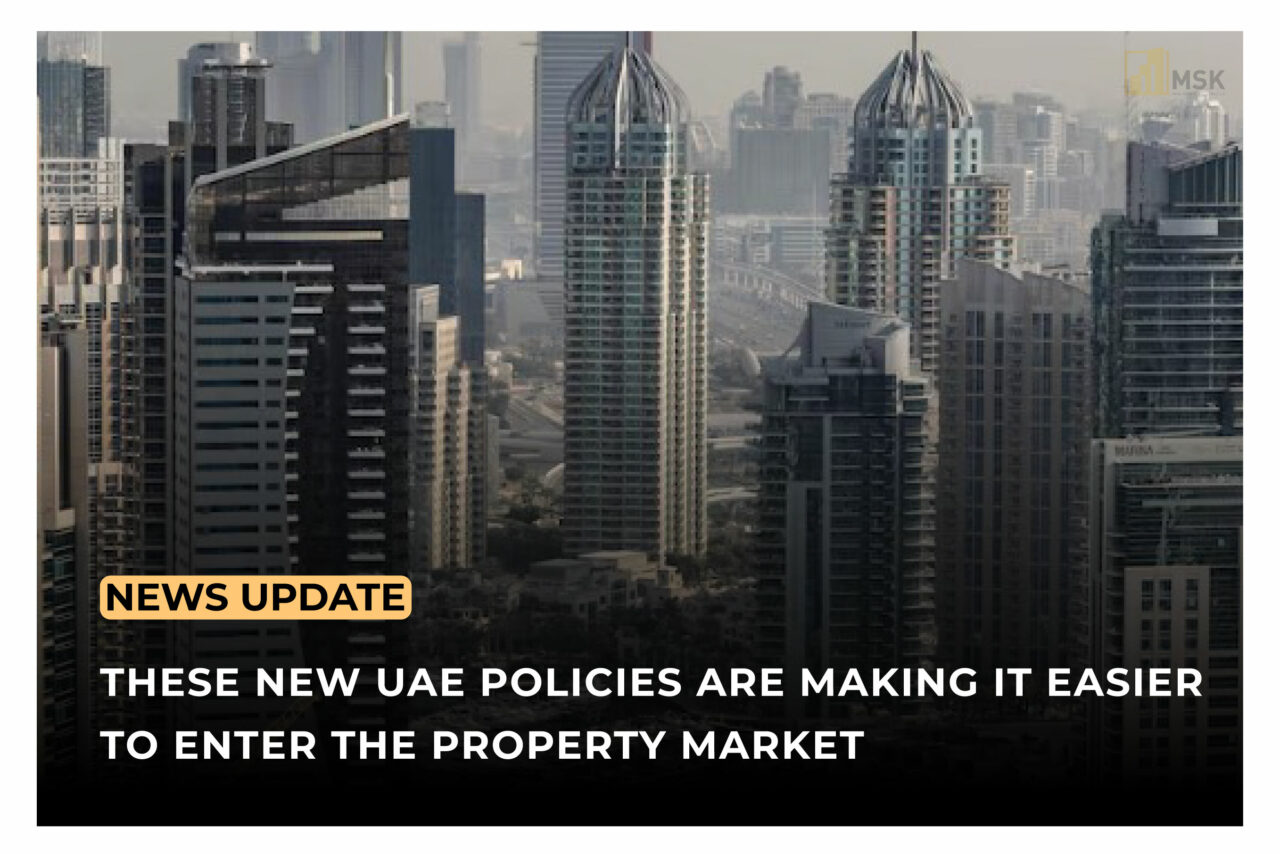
635	273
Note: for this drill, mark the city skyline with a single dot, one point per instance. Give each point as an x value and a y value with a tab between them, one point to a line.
893	375
1083	69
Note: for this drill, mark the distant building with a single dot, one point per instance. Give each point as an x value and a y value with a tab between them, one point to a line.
781	96
1168	293
780	170
1015	402
325	83
74	92
914	199
635	398
784	148
462	91
847	478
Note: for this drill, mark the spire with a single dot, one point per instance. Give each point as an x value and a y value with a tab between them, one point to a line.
914	61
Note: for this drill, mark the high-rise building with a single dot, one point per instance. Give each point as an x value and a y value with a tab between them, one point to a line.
563	61
1165	529
784	148
441	411
1168	294
74	90
847	475
327	259
781	96
325	83
1014	404
914	199
999	124
832	113
462	90
635	291
447	248
226	55
80	490
223	126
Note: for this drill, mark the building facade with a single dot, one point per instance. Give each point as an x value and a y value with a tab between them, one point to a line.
74	91
325	83
80	491
1168	293
442	412
848	457
635	291
224	126
1166	571
1015	398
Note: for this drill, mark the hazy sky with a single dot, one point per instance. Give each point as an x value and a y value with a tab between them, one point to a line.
1082	69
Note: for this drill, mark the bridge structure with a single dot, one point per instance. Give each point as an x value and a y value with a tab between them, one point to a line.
763	284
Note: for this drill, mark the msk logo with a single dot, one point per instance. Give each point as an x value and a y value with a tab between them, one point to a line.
1149	72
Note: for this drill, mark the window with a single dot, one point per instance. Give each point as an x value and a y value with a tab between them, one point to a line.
1148	594
1193	594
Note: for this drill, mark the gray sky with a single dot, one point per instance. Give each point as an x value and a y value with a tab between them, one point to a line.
1085	70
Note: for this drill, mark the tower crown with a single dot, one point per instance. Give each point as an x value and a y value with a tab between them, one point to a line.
913	91
628	87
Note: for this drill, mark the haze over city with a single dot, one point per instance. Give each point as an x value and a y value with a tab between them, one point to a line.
853	353
1083	70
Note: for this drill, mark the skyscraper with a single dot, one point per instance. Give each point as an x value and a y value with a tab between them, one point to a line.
635	291
781	96
847	474
913	200
784	148
462	90
325	83
1166	489
446	248
327	259
1168	294
563	61
74	90
216	132
1014	404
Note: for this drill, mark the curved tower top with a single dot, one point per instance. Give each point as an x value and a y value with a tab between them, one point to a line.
913	91
628	87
